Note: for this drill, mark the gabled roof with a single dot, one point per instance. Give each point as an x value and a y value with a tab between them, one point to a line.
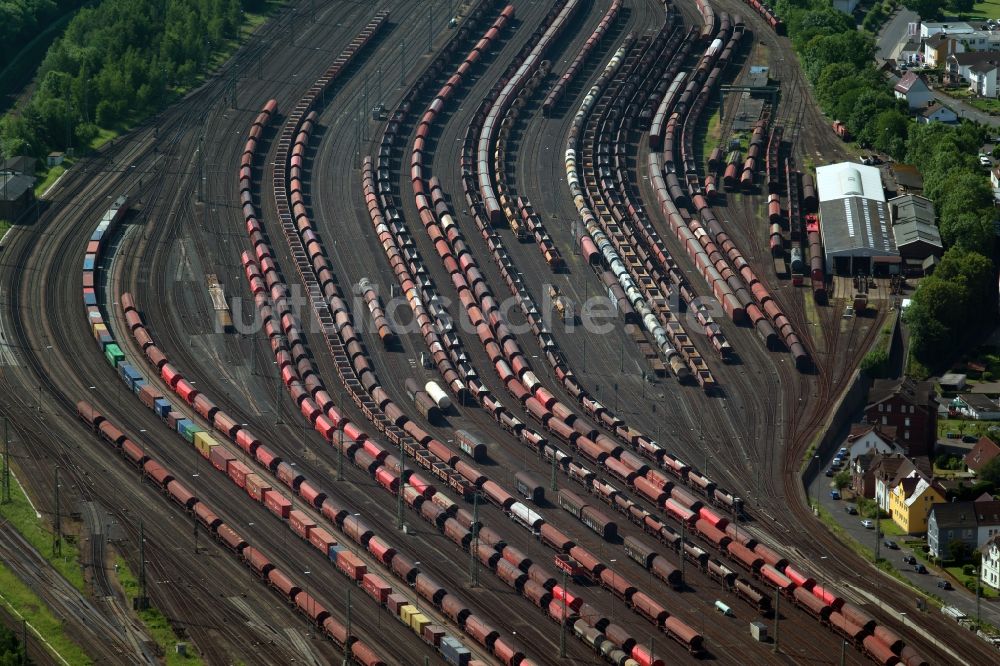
987	513
914	231
886	466
984	451
971	58
910	391
951	515
979	402
12	187
934	41
907	82
933	108
984	67
859	430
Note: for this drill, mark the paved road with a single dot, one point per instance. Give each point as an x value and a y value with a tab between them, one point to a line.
893	32
962	108
959	597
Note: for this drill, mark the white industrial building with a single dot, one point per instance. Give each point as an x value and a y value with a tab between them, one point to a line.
854	220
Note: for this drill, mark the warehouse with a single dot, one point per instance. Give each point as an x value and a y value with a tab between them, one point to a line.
914	229
854	221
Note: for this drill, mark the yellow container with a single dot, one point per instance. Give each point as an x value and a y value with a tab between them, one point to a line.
204	442
97	329
418	622
406	612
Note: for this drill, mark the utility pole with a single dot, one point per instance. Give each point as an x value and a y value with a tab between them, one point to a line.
57	531
554	486
682	551
474	551
402	69
142	603
340	455
6	463
402	487
843	652
777	617
195	522
562	625
347	642
430	19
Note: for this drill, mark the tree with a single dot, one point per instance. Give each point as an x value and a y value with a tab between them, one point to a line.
928	9
990	472
935	313
961	7
975	273
958	550
842	479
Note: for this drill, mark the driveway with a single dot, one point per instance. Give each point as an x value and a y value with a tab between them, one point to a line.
868	579
893	32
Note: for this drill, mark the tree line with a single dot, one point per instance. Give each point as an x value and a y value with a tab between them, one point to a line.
116	62
22	20
959	301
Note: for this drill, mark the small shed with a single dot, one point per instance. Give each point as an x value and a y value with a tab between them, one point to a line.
952	382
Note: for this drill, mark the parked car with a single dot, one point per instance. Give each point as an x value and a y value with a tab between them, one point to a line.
830	471
890	544
920	568
851	510
835	494
985	161
842	453
970	439
944	585
909	559
868	524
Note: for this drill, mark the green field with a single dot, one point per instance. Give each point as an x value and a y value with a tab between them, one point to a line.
988	9
24	603
985	591
19	514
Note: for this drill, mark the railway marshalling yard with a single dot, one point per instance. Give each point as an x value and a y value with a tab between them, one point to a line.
417	336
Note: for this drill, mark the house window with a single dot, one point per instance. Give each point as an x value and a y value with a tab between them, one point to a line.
906	422
906	435
880	407
885	420
888	408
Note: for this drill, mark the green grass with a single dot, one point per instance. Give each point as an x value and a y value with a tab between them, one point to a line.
712	135
890	529
50	177
155	622
24	603
988	9
4	226
19	514
985	591
965	427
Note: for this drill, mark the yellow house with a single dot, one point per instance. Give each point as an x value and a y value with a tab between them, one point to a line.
910	503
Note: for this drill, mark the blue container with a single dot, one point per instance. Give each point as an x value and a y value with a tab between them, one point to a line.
162	407
88	263
137	386
453	652
183	425
97	235
90	299
129	374
334	550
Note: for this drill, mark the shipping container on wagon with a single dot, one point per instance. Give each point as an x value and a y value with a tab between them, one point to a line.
472	443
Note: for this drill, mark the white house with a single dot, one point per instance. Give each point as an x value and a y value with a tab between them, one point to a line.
937	113
977	406
869	438
983	78
914	90
930	28
990	573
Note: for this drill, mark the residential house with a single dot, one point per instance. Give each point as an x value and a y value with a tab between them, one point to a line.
937	113
907	178
931	28
983	78
990	568
910	502
909	406
914	90
939	48
886	471
862	475
949	524
914	229
870	438
984	451
977	406
987	520
910	52
958	66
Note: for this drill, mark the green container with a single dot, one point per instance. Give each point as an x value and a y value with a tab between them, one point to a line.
114	354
